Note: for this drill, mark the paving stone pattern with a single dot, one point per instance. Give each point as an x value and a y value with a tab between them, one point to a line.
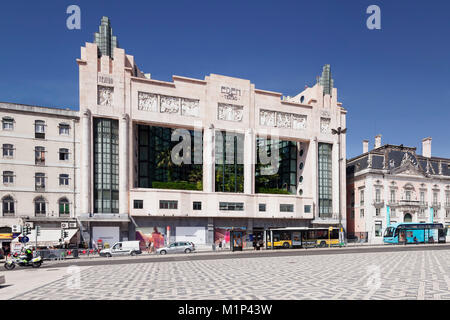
390	275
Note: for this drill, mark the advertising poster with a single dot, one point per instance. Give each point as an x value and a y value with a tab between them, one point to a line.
222	235
151	238
197	235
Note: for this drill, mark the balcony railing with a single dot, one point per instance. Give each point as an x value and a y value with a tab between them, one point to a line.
327	217
8	214
447	205
378	203
436	205
40	214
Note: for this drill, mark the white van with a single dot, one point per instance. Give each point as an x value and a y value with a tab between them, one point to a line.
121	249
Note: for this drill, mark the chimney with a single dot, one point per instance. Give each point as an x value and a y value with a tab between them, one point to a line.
378	141
365	146
426	147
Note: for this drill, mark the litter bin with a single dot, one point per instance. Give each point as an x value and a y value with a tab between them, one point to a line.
214	247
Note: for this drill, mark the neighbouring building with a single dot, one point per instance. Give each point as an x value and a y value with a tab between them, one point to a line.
131	123
39	166
416	188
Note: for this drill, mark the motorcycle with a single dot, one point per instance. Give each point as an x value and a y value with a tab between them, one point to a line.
22	262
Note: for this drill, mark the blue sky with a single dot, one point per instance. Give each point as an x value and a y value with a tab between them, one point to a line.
393	81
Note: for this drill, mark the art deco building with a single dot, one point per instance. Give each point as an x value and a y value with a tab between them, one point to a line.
131	124
416	188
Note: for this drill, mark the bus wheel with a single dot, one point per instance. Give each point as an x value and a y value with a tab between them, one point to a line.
286	245
323	244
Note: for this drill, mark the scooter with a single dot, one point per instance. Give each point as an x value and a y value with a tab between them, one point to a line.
22	262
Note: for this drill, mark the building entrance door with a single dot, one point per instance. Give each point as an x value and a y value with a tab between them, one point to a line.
407	218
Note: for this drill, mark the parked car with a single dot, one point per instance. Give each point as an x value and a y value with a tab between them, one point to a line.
122	249
177	247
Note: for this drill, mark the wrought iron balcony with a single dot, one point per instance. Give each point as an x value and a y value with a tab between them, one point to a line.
447	205
436	205
392	203
327	218
378	203
8	214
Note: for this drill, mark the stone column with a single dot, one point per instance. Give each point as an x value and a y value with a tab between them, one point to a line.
123	164
86	142
208	159
249	162
210	231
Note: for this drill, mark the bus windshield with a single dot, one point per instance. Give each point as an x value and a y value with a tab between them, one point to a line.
389	232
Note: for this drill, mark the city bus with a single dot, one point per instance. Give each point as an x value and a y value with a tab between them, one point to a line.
302	237
415	233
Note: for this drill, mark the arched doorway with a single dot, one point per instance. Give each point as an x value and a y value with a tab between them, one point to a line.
407	217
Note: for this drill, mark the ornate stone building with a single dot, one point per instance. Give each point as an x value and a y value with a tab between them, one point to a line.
39	166
416	188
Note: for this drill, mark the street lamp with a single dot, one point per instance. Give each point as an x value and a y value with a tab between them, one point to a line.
338	132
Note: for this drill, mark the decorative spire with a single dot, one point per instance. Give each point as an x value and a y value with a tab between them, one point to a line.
326	81
105	40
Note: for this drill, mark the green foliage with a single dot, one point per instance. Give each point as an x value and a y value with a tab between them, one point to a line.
178	185
272	191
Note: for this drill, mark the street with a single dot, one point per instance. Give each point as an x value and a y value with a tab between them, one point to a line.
404	273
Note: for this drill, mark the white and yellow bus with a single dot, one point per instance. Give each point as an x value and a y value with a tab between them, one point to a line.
302	237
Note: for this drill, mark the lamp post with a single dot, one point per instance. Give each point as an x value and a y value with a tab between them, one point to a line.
338	132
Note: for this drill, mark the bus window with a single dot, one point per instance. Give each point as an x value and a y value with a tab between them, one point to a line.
335	234
389	232
396	233
276	236
285	236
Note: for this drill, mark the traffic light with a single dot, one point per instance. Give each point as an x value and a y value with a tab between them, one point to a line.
38	230
62	235
66	234
26	230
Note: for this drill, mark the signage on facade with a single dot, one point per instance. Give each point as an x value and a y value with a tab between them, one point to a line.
230	93
105	79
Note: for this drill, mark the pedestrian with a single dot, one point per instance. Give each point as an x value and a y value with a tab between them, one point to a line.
152	247
220	245
254	244
223	243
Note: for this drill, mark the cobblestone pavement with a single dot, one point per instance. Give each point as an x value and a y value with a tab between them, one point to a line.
386	275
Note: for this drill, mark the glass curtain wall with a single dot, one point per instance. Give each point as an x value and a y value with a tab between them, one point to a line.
156	168
229	167
285	180
325	180
106	166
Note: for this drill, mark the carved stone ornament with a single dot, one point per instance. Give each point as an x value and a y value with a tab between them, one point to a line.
190	107
170	104
283	120
298	122
147	102
230	112
105	96
267	118
325	125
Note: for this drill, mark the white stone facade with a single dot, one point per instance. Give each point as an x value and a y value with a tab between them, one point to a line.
58	162
213	103
411	185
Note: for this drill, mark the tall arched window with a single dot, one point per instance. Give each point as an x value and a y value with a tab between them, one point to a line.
40	206
64	207
8	206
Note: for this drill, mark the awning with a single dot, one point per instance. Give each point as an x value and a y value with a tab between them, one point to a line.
6	236
48	237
